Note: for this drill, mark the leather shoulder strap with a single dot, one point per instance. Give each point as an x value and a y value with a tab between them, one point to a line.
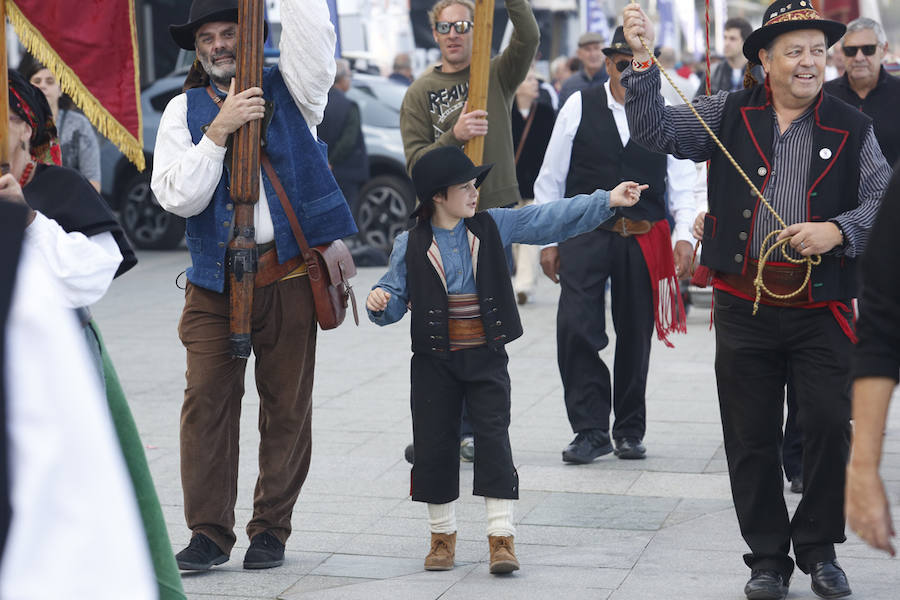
285	205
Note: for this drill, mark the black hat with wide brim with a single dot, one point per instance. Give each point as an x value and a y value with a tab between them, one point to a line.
618	45
202	12
783	16
443	167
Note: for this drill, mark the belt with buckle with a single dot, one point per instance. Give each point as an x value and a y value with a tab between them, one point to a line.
627	227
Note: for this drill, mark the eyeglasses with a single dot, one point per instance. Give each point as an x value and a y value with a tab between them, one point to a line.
622	65
868	50
460	26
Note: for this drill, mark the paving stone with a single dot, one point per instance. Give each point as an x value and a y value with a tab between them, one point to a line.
601	511
662	528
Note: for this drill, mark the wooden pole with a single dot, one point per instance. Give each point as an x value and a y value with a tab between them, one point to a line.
4	102
242	253
479	71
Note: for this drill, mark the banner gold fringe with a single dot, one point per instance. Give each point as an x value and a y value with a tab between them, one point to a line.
108	126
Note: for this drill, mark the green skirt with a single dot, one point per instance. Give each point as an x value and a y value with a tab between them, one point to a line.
168	578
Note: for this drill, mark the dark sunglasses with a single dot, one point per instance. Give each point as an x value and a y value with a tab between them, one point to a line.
460	26
622	65
868	50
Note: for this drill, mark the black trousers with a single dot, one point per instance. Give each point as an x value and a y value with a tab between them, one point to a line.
480	376
586	263
792	447
755	357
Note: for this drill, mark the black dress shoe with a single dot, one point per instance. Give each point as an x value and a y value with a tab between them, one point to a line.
587	446
766	585
265	552
201	554
797	485
630	448
829	580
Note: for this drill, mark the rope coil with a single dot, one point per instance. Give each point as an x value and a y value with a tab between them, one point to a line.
767	246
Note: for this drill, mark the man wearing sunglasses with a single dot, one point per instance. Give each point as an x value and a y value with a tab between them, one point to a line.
434	111
591	147
867	86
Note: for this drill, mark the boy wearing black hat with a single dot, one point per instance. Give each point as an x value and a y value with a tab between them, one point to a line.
450	270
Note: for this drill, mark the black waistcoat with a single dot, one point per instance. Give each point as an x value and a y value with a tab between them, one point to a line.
356	166
600	162
428	298
832	188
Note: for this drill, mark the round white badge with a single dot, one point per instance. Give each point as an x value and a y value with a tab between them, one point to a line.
825	153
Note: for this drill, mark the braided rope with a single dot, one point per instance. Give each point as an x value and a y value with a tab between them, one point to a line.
764	249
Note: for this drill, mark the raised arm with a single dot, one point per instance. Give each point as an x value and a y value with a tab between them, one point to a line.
514	62
668	129
307	55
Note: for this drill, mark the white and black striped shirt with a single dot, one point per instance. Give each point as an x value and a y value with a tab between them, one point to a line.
675	130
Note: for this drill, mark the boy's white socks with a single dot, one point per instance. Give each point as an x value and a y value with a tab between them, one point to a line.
442	517
499	516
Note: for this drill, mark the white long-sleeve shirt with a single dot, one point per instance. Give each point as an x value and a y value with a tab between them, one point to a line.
84	266
550	185
185	175
75	530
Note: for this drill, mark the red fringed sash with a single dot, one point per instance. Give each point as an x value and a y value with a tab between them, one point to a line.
669	315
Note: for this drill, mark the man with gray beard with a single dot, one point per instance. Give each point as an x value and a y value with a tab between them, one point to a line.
190	179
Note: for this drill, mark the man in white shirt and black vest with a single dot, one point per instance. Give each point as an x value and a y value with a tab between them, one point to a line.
817	163
591	147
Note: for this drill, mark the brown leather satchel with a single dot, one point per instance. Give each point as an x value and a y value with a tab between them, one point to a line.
329	266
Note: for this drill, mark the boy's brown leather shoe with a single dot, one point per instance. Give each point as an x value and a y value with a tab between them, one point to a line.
443	549
503	554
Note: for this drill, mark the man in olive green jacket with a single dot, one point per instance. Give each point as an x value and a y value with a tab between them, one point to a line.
434	111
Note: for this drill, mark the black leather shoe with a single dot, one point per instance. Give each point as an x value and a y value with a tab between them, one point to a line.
587	446
766	585
630	448
797	485
201	554
829	580
265	552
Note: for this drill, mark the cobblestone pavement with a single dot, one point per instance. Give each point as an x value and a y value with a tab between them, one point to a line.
659	528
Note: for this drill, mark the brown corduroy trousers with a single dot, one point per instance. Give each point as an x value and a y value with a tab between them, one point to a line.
284	345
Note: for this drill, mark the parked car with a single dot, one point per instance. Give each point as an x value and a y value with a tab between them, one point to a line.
385	202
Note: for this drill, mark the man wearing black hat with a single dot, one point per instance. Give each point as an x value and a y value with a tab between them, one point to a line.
818	164
190	178
450	271
591	148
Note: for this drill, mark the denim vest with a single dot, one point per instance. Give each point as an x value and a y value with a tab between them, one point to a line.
302	165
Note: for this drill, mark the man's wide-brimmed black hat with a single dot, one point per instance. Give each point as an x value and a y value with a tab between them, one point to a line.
783	16
205	11
442	167
618	44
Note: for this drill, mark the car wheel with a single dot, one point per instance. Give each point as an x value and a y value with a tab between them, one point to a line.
148	226
383	210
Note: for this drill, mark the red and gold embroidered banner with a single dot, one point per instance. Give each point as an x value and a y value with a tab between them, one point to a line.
91	47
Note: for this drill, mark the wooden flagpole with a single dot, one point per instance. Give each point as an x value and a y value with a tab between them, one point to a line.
479	71
242	253
4	85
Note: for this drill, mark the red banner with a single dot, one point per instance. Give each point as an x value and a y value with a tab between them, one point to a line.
91	47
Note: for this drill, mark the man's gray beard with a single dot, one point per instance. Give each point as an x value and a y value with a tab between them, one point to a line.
221	76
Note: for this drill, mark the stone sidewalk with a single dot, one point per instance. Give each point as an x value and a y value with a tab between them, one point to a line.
659	528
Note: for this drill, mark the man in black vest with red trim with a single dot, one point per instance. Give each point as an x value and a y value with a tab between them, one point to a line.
818	164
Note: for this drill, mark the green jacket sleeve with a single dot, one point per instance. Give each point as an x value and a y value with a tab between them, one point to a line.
416	128
516	59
